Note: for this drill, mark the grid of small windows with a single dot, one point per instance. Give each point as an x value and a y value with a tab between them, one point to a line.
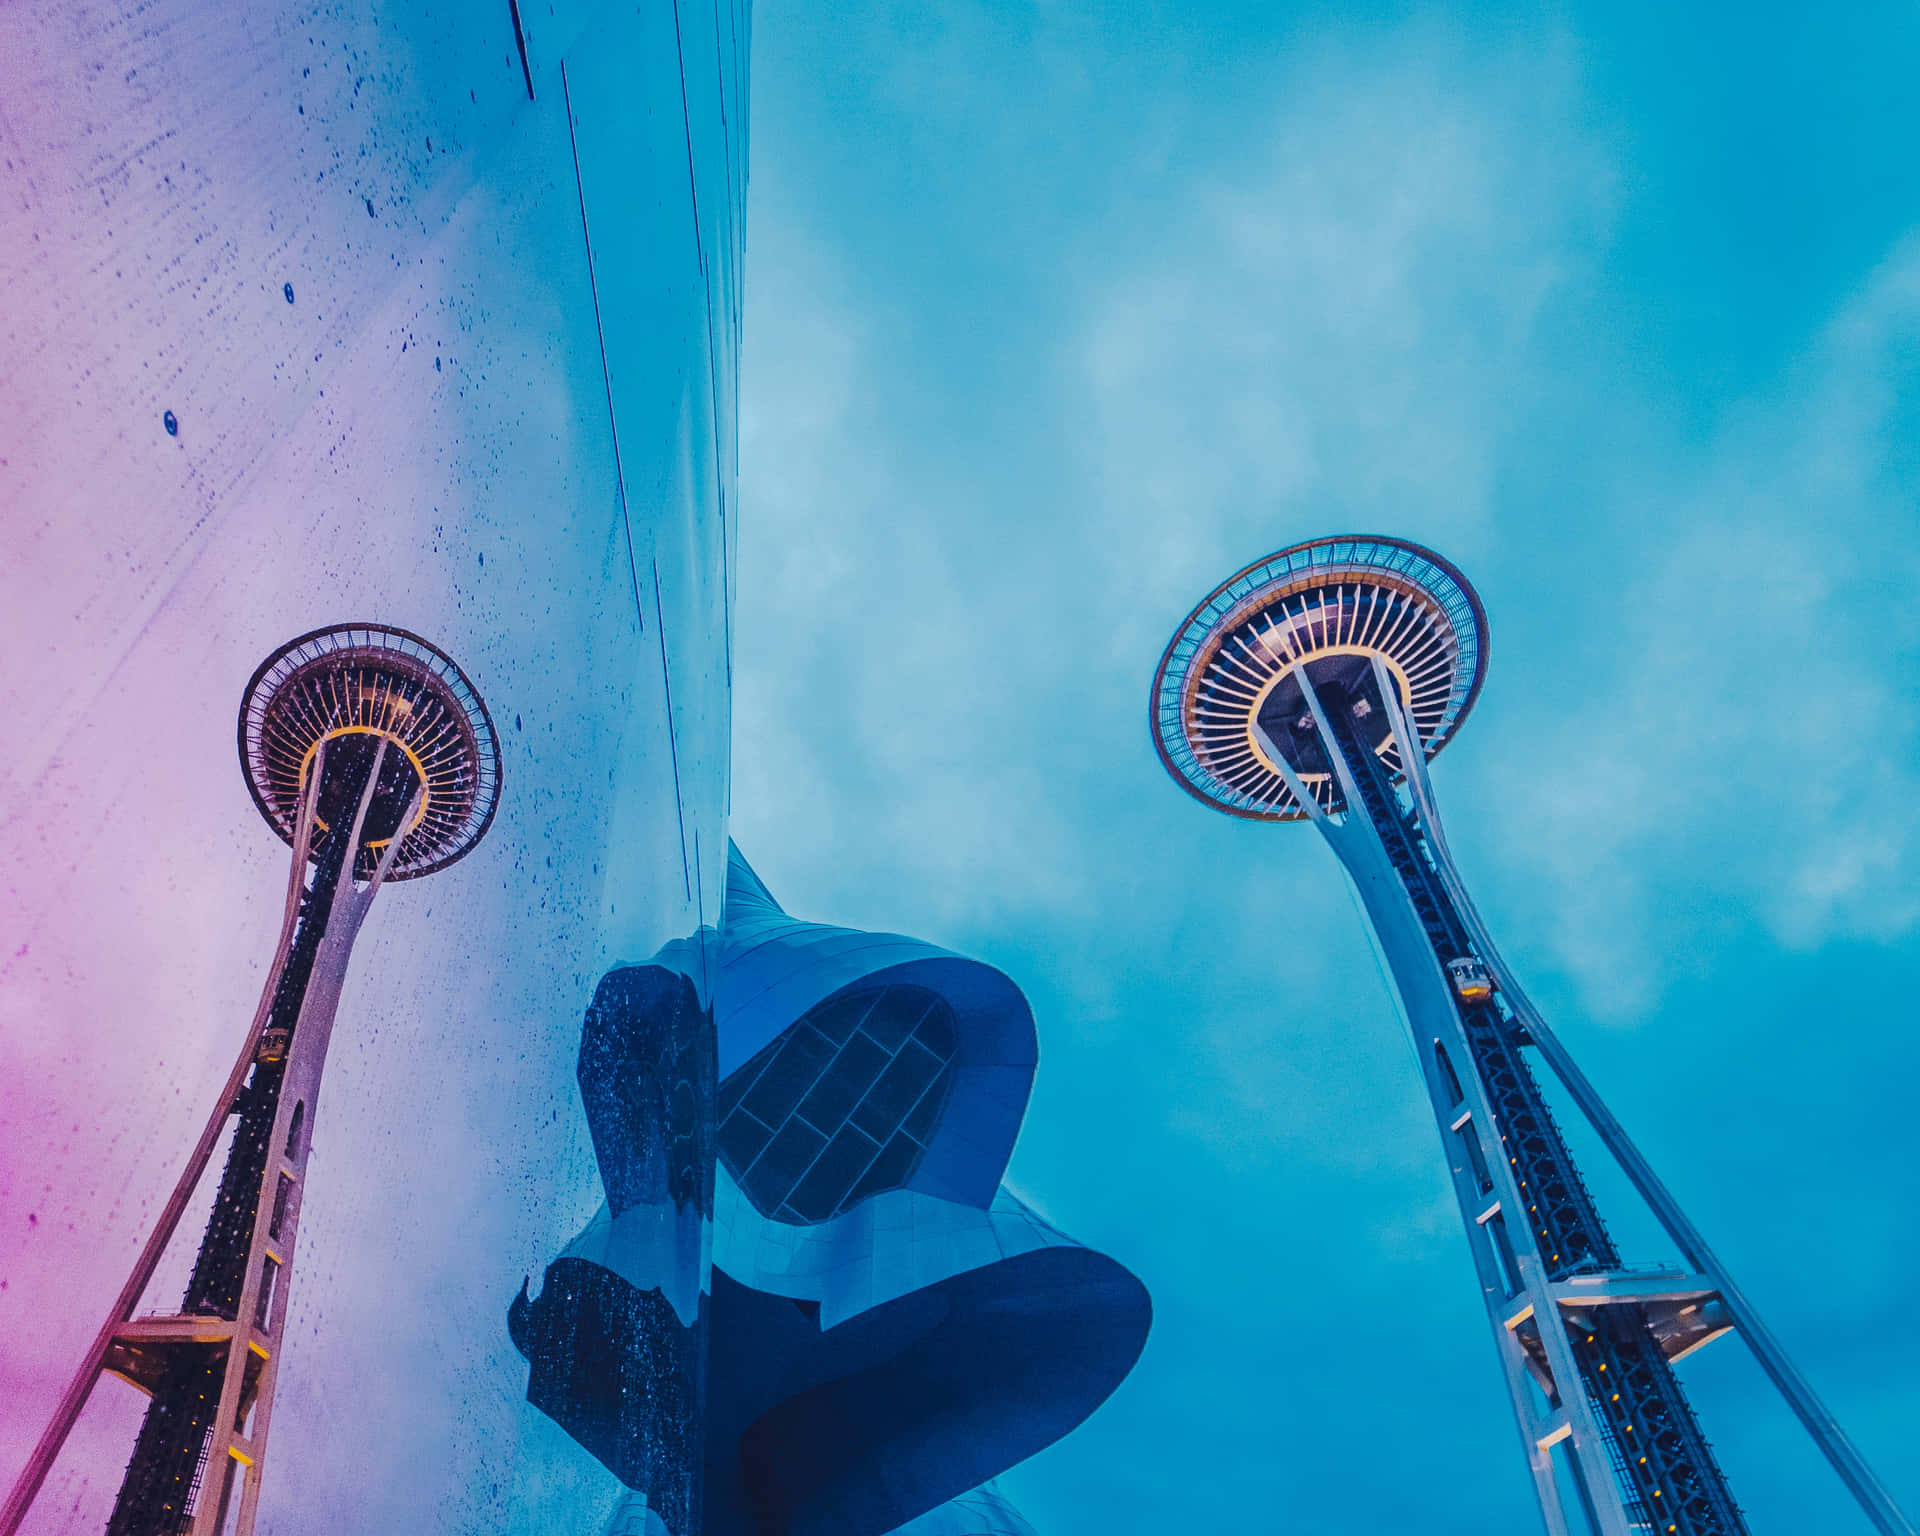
840	1107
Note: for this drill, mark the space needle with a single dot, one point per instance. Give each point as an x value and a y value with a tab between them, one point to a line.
1315	685
369	753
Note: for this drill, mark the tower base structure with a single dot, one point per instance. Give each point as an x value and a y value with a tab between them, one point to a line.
1315	685
1585	1346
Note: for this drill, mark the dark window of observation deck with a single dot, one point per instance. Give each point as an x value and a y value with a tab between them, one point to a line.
841	1106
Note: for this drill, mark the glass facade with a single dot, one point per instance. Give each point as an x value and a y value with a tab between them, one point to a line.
840	1107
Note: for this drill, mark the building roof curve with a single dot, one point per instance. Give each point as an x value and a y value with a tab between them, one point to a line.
775	969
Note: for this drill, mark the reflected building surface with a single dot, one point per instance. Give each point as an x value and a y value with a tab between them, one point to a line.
878	1326
617	1339
430	318
427	316
369	752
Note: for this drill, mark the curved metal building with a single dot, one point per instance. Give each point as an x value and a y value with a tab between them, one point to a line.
428	318
883	1326
425	316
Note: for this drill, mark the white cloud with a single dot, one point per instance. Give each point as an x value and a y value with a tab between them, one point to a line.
1340	329
1750	746
1389	307
946	660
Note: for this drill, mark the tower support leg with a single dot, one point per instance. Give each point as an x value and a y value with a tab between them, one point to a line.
1520	1290
253	1363
1512	1285
67	1412
241	1350
1859	1478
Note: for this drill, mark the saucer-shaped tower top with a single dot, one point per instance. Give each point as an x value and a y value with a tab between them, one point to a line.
347	688
1330	606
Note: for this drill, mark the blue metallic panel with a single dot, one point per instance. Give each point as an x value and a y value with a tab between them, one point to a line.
775	969
869	1358
871	1366
854	1430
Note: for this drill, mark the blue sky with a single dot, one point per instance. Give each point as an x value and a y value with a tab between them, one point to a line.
1057	315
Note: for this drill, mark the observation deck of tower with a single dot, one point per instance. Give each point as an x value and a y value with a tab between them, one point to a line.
1316	685
350	690
369	753
1337	604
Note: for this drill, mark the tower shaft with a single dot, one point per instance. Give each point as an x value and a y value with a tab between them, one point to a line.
162	1491
1586	1345
210	1368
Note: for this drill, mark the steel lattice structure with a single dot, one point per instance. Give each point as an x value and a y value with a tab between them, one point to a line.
1316	685
370	753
